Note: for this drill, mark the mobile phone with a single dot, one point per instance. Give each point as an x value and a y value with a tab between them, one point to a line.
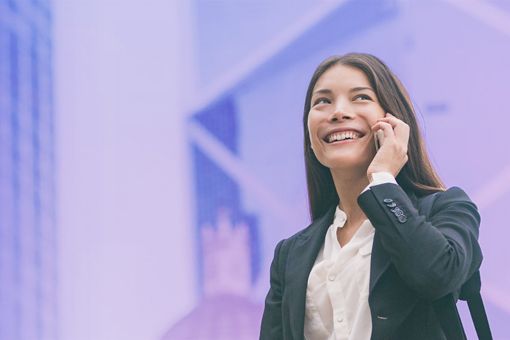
378	139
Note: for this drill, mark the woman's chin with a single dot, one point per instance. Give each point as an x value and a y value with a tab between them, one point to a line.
346	162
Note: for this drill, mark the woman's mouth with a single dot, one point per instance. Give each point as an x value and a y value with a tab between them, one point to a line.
343	137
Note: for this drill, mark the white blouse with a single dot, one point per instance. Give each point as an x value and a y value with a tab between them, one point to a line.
337	293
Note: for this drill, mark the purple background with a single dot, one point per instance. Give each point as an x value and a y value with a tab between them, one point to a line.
177	146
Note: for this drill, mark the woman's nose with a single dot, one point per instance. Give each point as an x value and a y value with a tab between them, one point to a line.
340	113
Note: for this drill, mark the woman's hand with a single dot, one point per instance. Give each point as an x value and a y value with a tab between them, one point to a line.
392	154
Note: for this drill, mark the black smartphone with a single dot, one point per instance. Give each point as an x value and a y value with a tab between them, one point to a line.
378	139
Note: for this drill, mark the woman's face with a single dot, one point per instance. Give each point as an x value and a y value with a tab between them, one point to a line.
343	105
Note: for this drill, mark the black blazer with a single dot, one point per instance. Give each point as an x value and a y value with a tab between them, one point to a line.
424	248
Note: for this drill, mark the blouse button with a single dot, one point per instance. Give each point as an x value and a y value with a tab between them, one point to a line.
332	277
340	319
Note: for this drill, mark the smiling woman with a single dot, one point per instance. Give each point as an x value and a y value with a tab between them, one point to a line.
371	89
388	242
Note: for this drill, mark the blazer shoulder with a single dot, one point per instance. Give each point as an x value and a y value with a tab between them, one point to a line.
282	249
284	242
453	195
306	232
452	198
300	233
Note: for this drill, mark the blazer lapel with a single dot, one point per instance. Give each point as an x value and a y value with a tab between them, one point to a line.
379	262
301	259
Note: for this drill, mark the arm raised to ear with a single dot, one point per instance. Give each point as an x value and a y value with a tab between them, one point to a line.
433	254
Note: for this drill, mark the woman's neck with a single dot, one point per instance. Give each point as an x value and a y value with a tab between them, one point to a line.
348	187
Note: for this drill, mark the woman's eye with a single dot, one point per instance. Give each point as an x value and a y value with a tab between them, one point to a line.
321	101
362	97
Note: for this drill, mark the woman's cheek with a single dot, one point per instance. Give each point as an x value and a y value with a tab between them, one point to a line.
315	146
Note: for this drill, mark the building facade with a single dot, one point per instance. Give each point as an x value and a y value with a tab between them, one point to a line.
28	252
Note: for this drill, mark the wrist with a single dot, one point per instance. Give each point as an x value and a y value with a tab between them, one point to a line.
377	177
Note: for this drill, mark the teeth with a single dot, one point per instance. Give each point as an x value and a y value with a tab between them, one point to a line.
342	135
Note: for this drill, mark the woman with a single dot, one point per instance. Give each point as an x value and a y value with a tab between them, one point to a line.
387	239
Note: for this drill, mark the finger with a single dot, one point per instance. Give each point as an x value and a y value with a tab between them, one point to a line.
391	119
403	135
401	129
386	127
382	125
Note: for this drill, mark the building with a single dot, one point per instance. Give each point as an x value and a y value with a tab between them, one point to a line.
28	272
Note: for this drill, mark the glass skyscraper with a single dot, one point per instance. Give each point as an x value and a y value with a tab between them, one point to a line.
28	271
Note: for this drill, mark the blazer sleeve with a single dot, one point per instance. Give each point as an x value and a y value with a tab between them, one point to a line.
433	254
271	327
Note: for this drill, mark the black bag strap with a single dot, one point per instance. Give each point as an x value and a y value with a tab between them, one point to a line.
479	317
449	318
471	293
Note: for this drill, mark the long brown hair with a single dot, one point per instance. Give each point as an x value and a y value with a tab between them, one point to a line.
417	175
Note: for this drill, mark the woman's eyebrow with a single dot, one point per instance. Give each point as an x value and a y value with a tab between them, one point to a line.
361	88
322	91
354	89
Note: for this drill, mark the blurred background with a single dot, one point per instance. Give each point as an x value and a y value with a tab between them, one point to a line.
151	151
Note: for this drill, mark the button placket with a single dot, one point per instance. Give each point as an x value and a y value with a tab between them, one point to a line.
336	292
341	327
